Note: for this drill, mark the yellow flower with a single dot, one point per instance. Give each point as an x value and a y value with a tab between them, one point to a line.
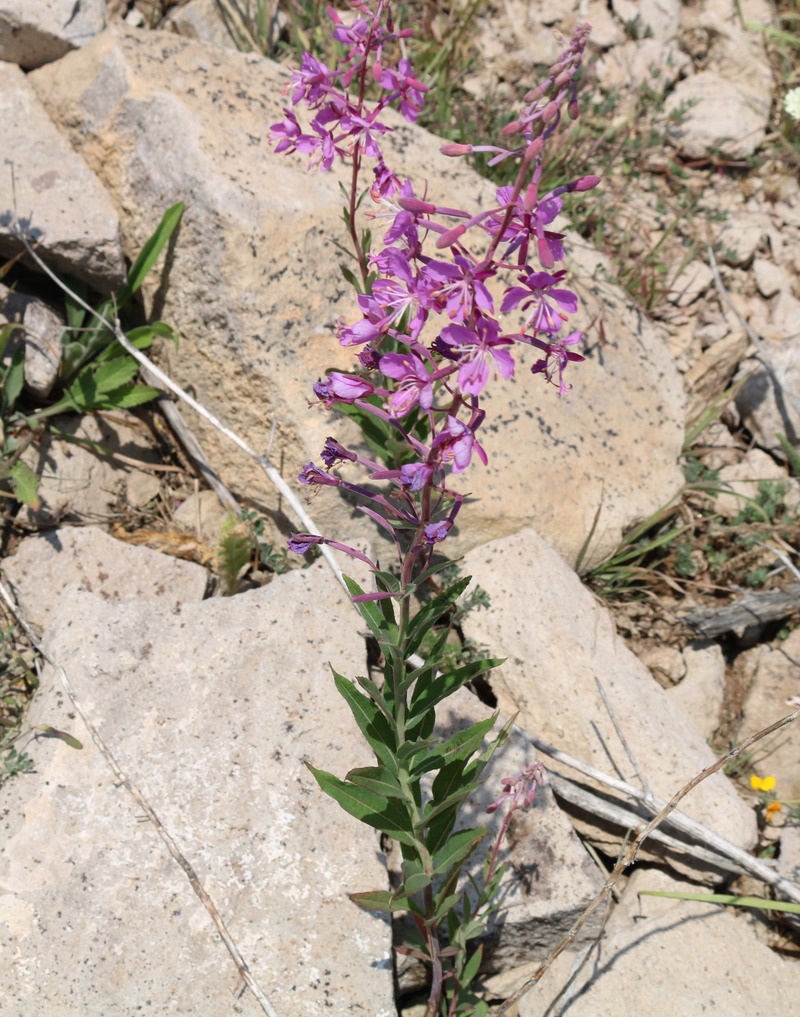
762	783
771	810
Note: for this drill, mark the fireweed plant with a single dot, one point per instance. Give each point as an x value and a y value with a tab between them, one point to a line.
428	340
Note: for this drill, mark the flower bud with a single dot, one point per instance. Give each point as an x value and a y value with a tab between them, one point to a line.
449	238
515	127
454	149
416	205
586	183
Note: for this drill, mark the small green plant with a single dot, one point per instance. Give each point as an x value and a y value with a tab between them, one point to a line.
96	373
234	553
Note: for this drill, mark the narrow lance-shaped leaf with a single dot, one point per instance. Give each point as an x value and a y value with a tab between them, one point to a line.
371	808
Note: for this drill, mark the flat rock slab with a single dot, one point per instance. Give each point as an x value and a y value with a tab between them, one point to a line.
34	32
253	285
211	710
560	642
88	559
55	199
661	956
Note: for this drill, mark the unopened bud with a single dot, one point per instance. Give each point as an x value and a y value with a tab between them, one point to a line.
563	77
515	127
586	183
454	149
449	238
534	93
416	205
550	112
533	151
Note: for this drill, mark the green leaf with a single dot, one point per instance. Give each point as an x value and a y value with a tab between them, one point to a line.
471	968
53	732
371	808
425	698
75	313
382	900
416	883
376	778
728	899
459	746
427	616
372	614
437	808
442	907
149	253
114	373
24	484
372	723
127	396
458	847
13	380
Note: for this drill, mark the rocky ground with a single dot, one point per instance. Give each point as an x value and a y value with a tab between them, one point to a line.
666	481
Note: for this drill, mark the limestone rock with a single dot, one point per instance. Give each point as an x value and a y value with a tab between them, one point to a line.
719	116
59	202
35	32
84	470
658	19
87	559
556	649
253	287
767	401
701	957
774	683
211	710
701	690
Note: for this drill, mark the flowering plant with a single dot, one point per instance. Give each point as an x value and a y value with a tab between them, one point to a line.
428	340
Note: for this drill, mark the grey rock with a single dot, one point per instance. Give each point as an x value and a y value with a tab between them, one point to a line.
557	650
718	116
701	958
774	686
41	334
84	470
702	688
89	560
253	286
658	19
211	710
35	32
55	199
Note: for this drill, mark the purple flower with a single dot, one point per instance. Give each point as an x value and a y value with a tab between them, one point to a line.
311	475
456	443
312	81
402	84
334	452
477	349
342	388
435	533
414	476
416	384
538	291
556	359
519	790
301	542
460	287
528	221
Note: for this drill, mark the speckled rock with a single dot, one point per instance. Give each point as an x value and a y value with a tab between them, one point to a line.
53	197
211	710
254	288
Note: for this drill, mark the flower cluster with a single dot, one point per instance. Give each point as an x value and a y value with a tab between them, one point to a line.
430	337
